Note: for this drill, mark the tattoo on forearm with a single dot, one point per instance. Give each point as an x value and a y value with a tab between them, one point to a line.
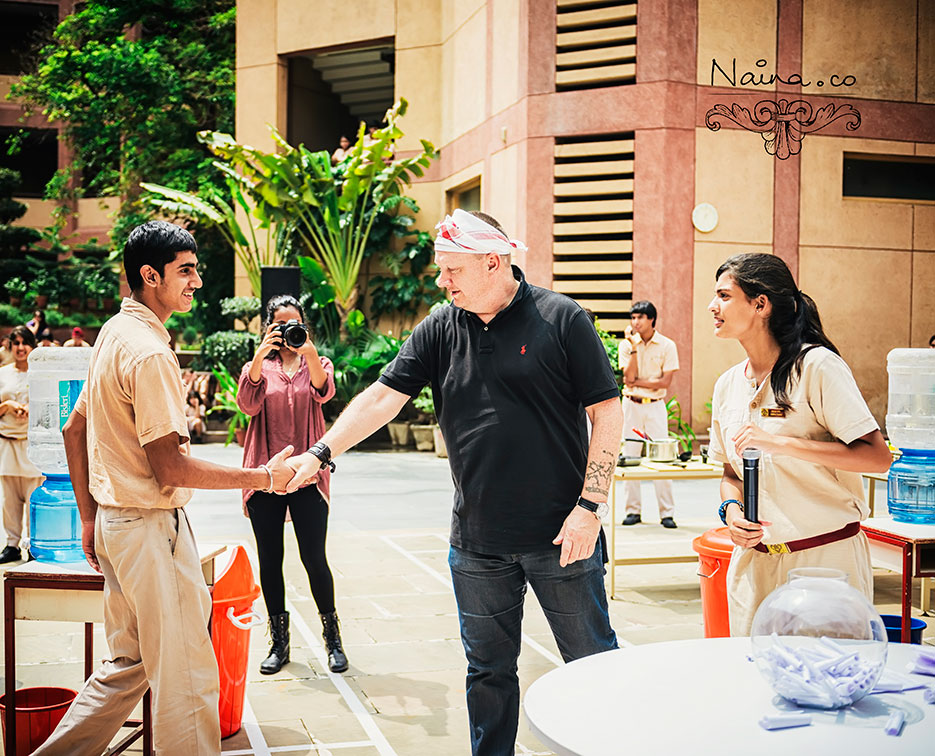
599	474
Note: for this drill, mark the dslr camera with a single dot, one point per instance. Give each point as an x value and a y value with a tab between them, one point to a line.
293	333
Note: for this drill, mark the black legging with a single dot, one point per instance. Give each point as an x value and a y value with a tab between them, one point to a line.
310	519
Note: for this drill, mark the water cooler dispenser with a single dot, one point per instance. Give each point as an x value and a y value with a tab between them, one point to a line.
910	424
55	378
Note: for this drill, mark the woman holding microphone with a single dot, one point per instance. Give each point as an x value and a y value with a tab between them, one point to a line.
283	389
793	399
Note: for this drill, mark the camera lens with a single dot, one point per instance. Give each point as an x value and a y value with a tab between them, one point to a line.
294	334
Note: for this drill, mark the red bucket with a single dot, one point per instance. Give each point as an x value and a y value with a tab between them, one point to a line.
38	712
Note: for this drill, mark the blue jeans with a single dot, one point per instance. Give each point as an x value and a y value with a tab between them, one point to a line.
490	589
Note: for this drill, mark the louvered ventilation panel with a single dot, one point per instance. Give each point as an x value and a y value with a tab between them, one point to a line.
593	224
595	44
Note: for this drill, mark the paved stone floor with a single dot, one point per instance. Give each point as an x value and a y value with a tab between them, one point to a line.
404	692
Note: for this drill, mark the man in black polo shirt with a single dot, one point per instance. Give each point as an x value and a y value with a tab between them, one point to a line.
515	370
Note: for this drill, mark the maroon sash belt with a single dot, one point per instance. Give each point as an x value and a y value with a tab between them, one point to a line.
848	531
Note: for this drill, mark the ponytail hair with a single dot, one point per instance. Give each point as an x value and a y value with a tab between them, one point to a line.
793	322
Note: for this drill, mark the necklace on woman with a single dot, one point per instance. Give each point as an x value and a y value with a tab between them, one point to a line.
292	368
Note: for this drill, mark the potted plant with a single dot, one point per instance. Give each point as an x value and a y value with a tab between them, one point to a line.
428	436
225	400
46	287
16	289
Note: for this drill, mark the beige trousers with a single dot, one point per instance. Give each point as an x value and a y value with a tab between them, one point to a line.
753	575
653	420
156	612
15	491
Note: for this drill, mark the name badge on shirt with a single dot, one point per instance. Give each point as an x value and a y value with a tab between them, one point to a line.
772	412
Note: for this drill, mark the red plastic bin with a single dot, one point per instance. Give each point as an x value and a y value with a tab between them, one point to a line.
38	712
231	619
714	548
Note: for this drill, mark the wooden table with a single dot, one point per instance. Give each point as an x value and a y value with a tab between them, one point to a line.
904	548
704	696
693	470
68	593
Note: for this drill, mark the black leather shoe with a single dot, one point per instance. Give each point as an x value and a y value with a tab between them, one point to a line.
10	554
668	522
631	519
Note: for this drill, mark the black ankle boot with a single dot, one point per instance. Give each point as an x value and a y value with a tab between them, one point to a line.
337	661
279	649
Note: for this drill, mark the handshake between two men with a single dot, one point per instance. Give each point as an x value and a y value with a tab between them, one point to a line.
288	472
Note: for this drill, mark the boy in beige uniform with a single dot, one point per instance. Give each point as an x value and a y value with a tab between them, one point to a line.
127	447
648	361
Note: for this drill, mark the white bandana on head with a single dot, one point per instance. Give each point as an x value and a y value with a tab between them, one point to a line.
463	232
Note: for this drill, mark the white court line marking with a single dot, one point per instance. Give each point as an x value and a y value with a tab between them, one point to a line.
320	747
378	740
252	728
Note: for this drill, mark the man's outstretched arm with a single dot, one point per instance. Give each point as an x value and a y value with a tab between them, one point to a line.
369	411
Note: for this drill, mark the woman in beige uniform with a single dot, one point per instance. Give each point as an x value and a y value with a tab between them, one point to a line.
18	476
796	401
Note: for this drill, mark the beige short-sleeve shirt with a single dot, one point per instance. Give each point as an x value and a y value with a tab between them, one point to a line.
653	358
134	395
800	498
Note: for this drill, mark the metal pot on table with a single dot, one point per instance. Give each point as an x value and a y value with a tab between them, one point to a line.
666	450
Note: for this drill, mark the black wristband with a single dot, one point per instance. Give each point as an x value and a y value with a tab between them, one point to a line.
323	453
591	506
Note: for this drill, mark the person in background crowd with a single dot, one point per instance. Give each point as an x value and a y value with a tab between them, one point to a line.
77	339
514	370
648	361
38	323
128	456
46	339
344	145
195	416
283	389
18	476
795	400
6	352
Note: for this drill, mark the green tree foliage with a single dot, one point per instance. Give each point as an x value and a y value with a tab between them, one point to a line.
14	240
132	82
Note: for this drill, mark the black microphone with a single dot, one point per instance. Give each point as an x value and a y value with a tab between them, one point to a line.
751	484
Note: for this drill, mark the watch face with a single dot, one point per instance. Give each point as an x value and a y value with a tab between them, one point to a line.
602	510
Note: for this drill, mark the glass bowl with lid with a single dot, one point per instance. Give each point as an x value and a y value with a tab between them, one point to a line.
818	641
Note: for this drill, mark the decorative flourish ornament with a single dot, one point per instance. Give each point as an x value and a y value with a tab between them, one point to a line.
784	124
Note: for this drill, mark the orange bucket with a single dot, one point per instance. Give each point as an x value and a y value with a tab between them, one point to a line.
232	616
38	712
714	548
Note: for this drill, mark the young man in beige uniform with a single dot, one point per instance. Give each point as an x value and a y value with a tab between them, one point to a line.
127	446
648	361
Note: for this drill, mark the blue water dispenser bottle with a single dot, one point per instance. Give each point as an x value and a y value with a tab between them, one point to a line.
55	378
910	424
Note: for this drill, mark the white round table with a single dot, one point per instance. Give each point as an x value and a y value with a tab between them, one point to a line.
704	697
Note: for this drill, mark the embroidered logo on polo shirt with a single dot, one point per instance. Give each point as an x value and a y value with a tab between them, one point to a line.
523	349
772	412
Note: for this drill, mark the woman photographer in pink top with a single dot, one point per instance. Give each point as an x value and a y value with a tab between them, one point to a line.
283	389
